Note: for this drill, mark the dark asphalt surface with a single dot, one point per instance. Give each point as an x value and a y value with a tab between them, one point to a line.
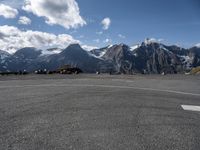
91	112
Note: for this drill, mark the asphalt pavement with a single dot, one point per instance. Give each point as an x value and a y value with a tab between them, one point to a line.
99	112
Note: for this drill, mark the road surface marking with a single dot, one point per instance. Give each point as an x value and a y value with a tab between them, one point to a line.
191	107
102	86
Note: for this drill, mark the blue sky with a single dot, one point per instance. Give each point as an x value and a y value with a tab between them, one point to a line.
173	21
176	21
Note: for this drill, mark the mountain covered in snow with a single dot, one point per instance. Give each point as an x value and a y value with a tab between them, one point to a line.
148	57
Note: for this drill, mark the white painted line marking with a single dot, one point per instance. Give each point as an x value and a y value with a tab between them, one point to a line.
102	86
190	107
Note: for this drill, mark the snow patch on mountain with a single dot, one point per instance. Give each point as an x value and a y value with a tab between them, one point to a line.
162	47
100	54
132	48
109	46
187	60
92	55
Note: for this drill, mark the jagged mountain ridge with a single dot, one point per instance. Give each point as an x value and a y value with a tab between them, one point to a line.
3	57
78	57
147	57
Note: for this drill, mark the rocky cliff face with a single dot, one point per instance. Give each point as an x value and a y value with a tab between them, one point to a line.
3	57
156	58
121	58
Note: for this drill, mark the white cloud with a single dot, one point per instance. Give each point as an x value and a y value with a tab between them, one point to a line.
121	36
12	39
106	23
7	11
153	40
89	48
107	40
56	12
24	20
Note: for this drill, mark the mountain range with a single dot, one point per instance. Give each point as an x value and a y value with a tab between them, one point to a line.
147	57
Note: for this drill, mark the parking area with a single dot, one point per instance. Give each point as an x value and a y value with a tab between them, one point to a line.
83	112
